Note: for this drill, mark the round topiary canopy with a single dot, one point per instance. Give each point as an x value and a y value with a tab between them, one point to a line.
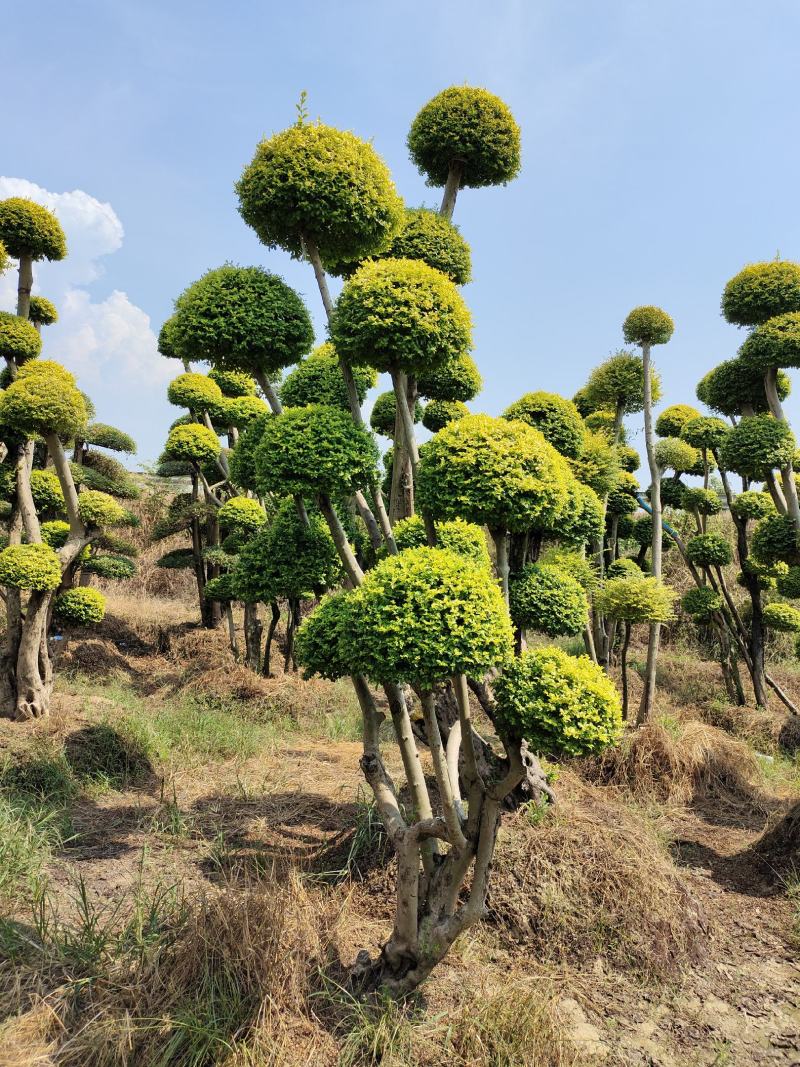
761	291
556	417
463	538
43	403
313	181
240	318
242	514
430	237
757	445
709	550
438	413
101	435
619	381
671	421
34	566
100	509
705	431
457	380
80	606
548	600
733	386
703	501
647	325
782	617
233	383
384	410
582	520
776	343
672	453
192	442
240	411
28	229
470	127
400	314
598	463
197	392
636	598
701	602
775	540
752	505
42	312
19	339
317	379
322	640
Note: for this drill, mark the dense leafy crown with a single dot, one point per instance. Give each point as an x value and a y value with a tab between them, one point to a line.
703	501
315	449
468	126
619	381
19	339
55	533
562	705
621	498
789	583
493	472
775	540
458	379
318	380
752	505
384	411
427	235
733	386
196	392
425	615
100	509
671	421
776	343
241	514
42	312
582	520
28	229
5	262
313	181
192	442
322	640
757	445
41	403
34	566
547	599
240	411
233	383
782	617
556	417
647	325
701	602
242	460
110	566
705	431
598	463
709	550
760	291
636	598
241	318
438	413
463	538
82	605
672	453
402	314
46	491
102	435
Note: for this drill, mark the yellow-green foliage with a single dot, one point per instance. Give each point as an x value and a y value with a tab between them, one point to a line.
556	417
242	459
43	403
760	291
789	583
42	312
197	392
629	458
705	431
458	379
384	411
55	533
782	617
671	421
674	454
233	383
100	509
34	566
28	229
776	343
622	495
49	369
102	435
401	314
115	567
757	445
82	605
547	599
463	538
240	411
598	463
752	505
19	339
191	442
733	386
315	449
636	598
317	182
240	318
605	422
647	325
241	514
582	520
701	602
425	615
46	491
322	640
625	567
619	381
703	501
775	540
472	127
427	235
438	413
562	705
708	550
5	262
495	473
318	380
223	587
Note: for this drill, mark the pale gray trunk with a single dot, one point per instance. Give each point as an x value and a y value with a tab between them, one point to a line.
451	188
649	692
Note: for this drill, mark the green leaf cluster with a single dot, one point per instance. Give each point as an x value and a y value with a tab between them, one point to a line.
672	453
647	325
761	291
636	598
19	338
82	605
757	445
457	380
34	566
703	501
102	435
43	403
782	617
324	638
107	565
701	602
438	413
463	538
598	463
556	417
46	491
233	383
384	411
192	442
195	391
28	229
546	599
55	533
619	381
705	431
752	505
241	514
317	379
42	312
775	540
671	421
733	386
708	550
776	343
428	236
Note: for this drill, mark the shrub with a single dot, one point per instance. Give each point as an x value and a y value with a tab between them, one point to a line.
562	705
647	325
782	617
703	501
624	567
192	442
28	229
757	445
322	639
555	417
761	291
242	460
775	540
19	339
317	379
240	411
629	458
671	421
223	587
705	431
233	383
708	550
581	521
116	567
100	509
241	514
197	392
463	538
619	381
547	599
776	343
46	490
82	605
733	385
622	495
384	411
438	413
34	566
176	560
55	533
40	403
636	598
701	602
103	436
428	236
458	379
674	454
752	505
605	423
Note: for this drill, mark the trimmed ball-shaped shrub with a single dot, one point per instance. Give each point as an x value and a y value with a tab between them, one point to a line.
782	617
458	379
789	583
708	550
438	413
705	431
400	314
703	501
322	640
317	379
177	560
80	606
384	411
494	473
629	458
547	599
102	435
647	325
317	182
100	509
760	291
463	538
425	615
619	381
240	411
672	490
28	229
19	339
41	403
624	567
581	521
241	318
556	417
197	392
191	442
776	343
701	602
674	454
752	505
733	385
621	499
55	533
561	705
757	445
233	383
598	463
671	421
636	598
42	312
119	568
605	422
315	449
34	566
775	540
50	369
46	490
427	235
241	514
470	127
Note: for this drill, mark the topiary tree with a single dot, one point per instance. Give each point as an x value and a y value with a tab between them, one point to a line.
556	417
384	411
760	291
671	421
317	379
438	413
432	238
29	232
547	599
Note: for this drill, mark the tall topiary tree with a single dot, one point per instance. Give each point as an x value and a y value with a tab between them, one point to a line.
29	232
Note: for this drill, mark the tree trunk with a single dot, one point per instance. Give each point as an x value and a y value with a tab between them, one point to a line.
451	188
623	662
500	539
649	692
273	622
24	286
252	637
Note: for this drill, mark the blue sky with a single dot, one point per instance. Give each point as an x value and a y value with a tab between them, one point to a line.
660	154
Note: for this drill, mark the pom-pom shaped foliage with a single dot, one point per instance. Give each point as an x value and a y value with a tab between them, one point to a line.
708	550
46	491
318	380
100	509
629	459
621	499
761	291
556	417
605	422
313	181
322	640
775	540
438	413
547	599
28	229
625	567
103	436
193	443
19	339
469	127
457	379
671	421
55	533
197	392
636	598
47	368
582	519
619	382
34	566
598	464
241	318
241	514
41	403
752	505
5	263
110	566
493	472
757	445
42	312
703	501
316	449
674	454
401	314
705	431
789	583
384	411
425	615
701	602
782	617
463	538
776	343
233	383
562	705
647	325
81	606
240	411
428	236
733	386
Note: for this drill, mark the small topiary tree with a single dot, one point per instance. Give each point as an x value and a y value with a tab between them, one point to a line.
547	599
438	413
556	417
29	232
317	379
